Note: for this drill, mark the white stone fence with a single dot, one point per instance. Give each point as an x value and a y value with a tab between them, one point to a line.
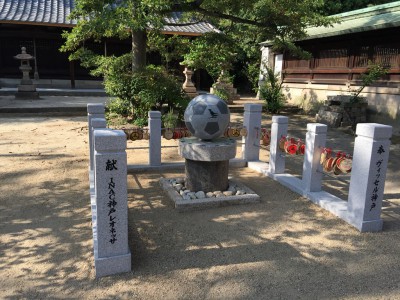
108	170
363	207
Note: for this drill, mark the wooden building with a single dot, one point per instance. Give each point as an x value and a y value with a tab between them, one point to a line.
340	54
38	24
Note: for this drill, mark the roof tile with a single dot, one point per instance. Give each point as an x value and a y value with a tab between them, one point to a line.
56	12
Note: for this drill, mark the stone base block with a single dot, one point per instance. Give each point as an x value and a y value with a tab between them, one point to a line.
27	95
105	266
27	87
207	176
368	226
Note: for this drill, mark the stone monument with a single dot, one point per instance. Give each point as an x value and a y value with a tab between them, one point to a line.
207	154
26	89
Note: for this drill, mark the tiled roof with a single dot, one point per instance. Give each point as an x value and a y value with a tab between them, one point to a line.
199	28
50	12
360	20
366	19
55	13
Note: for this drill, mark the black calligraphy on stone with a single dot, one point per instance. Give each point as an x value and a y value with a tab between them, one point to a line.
111	165
376	183
111	204
381	150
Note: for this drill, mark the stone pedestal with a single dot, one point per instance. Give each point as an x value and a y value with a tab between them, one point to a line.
207	176
207	163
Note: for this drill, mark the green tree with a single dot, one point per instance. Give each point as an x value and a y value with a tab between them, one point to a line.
248	24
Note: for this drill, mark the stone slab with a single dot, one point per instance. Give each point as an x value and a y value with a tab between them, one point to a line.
198	204
215	150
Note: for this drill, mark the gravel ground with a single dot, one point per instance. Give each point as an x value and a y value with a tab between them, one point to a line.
282	248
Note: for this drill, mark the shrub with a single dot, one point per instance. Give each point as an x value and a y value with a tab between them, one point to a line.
150	89
374	72
221	92
271	92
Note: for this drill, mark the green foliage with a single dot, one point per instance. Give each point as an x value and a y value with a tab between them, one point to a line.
373	73
214	52
170	47
243	26
221	91
118	106
138	92
170	119
271	92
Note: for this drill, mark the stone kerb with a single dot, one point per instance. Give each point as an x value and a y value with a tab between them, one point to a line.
110	226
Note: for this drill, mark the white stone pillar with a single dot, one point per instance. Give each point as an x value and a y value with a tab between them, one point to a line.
252	123
94	110
367	183
312	169
96	123
279	128
155	138
111	250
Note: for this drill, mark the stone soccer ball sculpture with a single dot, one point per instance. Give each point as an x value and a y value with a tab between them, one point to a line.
207	116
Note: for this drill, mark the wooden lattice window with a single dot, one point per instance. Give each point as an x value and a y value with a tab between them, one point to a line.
387	56
332	58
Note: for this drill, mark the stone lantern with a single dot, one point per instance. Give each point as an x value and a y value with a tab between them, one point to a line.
188	85
26	89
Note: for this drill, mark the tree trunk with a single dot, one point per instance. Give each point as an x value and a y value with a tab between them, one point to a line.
138	50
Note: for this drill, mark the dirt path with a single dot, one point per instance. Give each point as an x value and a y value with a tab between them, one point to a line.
282	248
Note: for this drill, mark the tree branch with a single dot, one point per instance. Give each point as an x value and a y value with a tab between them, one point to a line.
195	6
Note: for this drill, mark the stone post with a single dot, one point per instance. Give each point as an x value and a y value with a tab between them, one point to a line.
367	183
96	123
111	250
94	110
312	169
155	138
252	122
279	128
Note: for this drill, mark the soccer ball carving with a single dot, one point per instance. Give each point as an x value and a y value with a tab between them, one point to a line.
207	116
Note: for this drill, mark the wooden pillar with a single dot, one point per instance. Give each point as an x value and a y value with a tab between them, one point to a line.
72	73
